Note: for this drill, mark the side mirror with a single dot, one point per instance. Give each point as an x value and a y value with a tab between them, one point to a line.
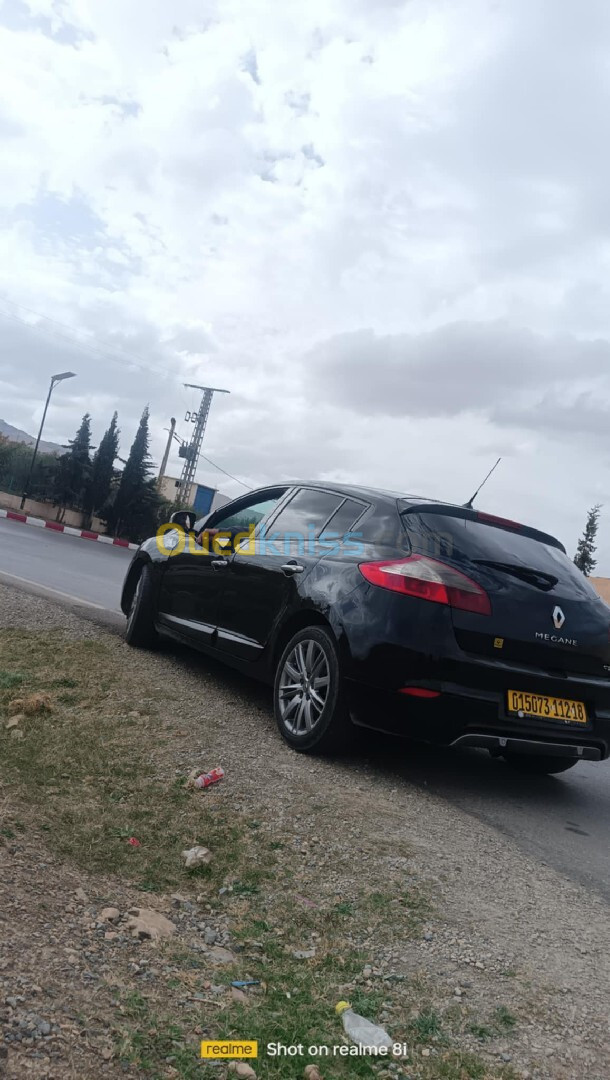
184	518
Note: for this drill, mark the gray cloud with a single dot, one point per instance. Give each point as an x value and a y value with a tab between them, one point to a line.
458	368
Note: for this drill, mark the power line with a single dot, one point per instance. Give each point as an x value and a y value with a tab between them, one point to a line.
220	469
64	332
68	333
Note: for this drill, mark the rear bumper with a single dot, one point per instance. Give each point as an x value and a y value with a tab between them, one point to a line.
470	716
498	744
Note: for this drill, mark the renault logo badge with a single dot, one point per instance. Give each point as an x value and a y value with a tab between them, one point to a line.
558	618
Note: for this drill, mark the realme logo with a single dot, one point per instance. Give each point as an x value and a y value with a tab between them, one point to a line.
222	1051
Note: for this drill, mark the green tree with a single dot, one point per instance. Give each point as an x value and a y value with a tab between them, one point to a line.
15	460
585	551
102	471
134	511
74	470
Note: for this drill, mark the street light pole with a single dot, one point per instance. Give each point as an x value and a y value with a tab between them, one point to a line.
54	379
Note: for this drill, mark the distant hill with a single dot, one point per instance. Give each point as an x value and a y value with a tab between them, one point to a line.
16	435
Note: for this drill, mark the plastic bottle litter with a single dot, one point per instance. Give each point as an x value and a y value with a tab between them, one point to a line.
206	779
362	1032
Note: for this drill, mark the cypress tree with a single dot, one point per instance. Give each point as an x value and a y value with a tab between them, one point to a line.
585	552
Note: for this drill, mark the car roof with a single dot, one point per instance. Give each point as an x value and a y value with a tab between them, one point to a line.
365	492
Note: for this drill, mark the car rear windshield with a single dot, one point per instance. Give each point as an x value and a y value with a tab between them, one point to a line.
469	539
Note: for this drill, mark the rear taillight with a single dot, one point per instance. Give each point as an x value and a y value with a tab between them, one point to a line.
428	579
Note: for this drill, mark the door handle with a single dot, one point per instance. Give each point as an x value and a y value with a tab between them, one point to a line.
292	567
218	564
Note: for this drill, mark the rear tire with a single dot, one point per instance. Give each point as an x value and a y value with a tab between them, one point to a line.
539	764
140	632
308	694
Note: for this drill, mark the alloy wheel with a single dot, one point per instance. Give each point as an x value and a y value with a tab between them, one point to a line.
304	687
135	601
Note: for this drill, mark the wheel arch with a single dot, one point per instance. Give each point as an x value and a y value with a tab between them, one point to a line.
298	620
131	580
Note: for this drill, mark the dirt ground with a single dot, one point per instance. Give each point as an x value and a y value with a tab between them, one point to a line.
499	967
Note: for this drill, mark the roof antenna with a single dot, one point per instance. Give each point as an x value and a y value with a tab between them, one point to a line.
470	502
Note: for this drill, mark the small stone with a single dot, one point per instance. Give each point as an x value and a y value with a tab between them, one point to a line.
110	935
110	914
146	923
241	1069
367	971
506	1057
425	1052
303	954
44	1027
312	1072
107	1053
238	995
81	896
209	935
428	936
218	955
14	721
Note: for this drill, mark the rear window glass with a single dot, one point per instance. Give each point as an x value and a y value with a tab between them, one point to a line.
442	536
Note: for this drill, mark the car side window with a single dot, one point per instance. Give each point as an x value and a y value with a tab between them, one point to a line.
248	516
304	517
345	517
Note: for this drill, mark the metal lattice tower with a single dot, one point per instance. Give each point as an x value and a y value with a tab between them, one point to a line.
190	451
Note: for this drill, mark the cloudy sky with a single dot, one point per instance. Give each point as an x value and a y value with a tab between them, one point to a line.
384	226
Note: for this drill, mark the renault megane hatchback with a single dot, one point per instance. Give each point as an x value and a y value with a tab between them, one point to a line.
391	612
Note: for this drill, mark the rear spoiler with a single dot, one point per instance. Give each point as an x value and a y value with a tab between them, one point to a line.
468	514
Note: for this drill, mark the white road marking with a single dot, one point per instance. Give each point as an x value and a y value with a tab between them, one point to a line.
55	592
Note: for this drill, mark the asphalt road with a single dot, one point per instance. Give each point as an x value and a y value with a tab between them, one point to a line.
66	567
563	821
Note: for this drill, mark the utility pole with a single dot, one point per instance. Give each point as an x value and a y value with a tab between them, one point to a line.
191	451
172	429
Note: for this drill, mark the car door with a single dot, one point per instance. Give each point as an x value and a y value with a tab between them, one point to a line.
265	574
193	579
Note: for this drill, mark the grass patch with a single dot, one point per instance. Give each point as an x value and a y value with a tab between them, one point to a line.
9	680
84	772
504	1018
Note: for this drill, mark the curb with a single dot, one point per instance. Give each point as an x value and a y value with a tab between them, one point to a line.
55	526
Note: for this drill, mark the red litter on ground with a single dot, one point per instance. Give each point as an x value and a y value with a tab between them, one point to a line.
206	779
133	841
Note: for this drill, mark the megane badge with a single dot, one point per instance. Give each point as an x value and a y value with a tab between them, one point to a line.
558	618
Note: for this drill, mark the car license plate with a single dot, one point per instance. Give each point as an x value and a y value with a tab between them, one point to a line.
542	707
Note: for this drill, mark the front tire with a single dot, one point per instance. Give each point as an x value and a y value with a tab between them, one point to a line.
140	632
539	764
308	695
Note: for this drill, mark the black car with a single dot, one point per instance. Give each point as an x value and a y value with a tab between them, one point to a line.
390	612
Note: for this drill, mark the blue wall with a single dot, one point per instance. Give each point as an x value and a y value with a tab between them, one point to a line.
203	499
